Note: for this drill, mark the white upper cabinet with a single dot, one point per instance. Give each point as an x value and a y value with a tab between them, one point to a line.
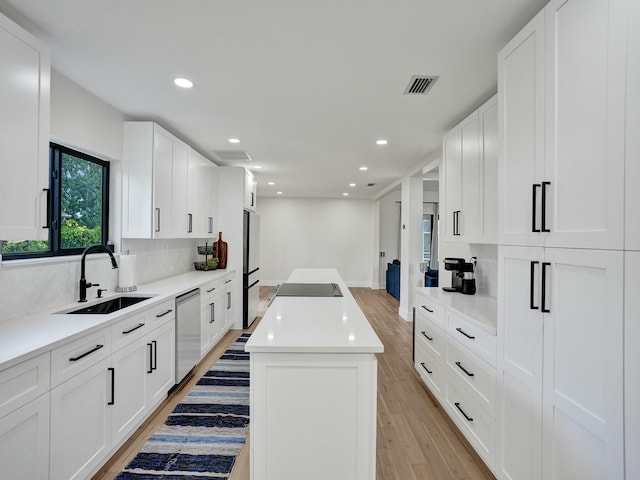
521	121
632	151
24	133
202	197
562	94
470	177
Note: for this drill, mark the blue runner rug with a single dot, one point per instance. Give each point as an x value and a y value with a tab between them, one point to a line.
204	434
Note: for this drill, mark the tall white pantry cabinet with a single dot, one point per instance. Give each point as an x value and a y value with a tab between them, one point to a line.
564	107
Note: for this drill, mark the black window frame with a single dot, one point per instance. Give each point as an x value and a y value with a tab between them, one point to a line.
54	215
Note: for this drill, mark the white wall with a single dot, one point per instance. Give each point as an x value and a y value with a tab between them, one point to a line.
83	121
316	233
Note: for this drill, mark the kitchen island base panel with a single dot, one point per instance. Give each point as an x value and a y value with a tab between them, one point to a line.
313	416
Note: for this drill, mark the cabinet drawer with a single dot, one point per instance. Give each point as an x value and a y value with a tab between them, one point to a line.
430	335
431	370
128	330
429	308
162	313
210	290
472	337
476	425
473	375
74	357
23	382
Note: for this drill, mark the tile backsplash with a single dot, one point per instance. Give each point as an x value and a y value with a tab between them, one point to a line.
32	286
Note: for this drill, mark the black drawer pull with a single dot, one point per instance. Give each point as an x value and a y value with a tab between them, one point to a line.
75	359
150	358
228	281
211	290
534	201
165	313
459	365
465	333
425	367
430	311
113	386
140	325
463	412
155	355
427	336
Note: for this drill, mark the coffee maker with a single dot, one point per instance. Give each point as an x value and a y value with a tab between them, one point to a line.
462	275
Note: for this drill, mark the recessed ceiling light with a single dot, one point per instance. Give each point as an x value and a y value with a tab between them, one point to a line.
271	183
257	167
382	141
345	194
364	168
183	82
352	184
234	140
279	193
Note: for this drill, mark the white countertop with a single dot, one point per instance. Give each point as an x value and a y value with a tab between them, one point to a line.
315	324
479	309
25	337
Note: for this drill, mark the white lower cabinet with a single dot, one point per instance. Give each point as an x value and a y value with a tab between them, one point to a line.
127	393
560	363
212	315
455	357
81	423
160	364
101	396
24	441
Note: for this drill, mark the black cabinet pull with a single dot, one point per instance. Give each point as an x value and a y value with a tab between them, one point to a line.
155	355
211	289
459	365
228	300
457	404
252	194
189	222
427	309
465	333
228	281
212	316
126	332
543	300
427	336
165	313
150	358
210	224
532	306
544	206
113	386
157	219
425	367
533	207
48	219
95	349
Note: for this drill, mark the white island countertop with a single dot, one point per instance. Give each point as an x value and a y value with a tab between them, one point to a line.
315	324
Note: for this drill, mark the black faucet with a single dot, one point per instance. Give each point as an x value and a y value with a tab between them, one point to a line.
83	281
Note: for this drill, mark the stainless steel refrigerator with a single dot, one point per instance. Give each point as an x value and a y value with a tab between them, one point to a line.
251	269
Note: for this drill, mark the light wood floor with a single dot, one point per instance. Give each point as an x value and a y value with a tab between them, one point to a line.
415	438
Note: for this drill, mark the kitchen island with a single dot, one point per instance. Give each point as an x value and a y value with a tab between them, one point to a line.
313	387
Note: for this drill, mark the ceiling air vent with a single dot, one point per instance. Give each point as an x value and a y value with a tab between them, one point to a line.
420	85
232	155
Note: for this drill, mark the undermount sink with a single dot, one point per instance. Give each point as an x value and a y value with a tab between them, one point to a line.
109	306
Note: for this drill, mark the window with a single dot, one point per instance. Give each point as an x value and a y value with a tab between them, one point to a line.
427	230
79	207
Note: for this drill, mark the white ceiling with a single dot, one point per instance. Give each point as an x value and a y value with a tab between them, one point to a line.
307	86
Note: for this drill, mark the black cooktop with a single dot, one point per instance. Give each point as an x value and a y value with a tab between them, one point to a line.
309	290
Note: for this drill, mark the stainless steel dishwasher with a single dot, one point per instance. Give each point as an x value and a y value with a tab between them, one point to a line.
187	333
